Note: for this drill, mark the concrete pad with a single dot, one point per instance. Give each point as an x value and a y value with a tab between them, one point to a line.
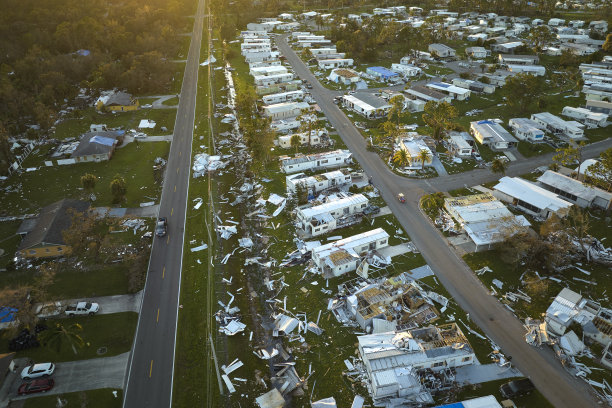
383	211
395	250
483	189
476	374
510	156
420	272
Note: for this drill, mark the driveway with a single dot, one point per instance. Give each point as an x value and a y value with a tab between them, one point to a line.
74	376
111	304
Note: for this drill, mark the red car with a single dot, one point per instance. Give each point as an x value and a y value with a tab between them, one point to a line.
41	385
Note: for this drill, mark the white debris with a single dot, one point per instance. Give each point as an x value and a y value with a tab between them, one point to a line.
233	327
199	248
227	231
275	199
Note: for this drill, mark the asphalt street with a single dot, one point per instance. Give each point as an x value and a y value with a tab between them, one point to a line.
151	367
561	389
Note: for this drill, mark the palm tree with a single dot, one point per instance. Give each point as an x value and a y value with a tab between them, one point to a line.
59	335
424	157
499	166
295	141
401	158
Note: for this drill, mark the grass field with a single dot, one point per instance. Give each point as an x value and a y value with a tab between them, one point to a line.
134	162
113	331
102	398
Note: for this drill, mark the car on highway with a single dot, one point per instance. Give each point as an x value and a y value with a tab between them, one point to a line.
37	371
41	385
517	388
161	228
82	308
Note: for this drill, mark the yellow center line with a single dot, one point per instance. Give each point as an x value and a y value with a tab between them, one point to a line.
180	153
164	272
171	212
151	369
177	169
168	240
175	189
157	320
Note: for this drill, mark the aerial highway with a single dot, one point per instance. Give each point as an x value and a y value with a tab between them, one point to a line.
551	379
151	366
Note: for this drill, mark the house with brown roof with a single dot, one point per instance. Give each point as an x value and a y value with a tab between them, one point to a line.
43	236
117	102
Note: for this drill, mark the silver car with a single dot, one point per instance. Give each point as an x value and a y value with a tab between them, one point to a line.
37	371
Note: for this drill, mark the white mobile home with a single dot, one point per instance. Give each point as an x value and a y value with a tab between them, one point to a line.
476	52
366	104
324	218
506	59
323	51
336	158
335	63
342	256
406	70
575	191
260	56
267	80
344	76
536	70
270	70
590	119
558	126
455	92
319	182
460	144
421	93
259	64
530	198
441	51
283	97
285	110
474	86
313	139
527	129
414	147
492	134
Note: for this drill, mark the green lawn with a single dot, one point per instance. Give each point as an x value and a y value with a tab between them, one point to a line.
73	128
113	331
534	149
171	102
49	184
101	398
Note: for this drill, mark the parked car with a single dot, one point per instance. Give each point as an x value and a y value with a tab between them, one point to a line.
82	308
371	210
42	385
517	388
37	371
162	227
147	106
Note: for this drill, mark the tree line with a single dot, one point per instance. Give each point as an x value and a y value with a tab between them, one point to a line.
52	49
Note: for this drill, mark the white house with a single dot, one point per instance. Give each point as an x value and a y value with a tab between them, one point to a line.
335	63
485	219
414	148
506	59
366	104
455	92
344	76
323	51
555	22
536	70
269	70
258	64
478	36
460	144
590	119
558	126
324	218
419	92
285	110
507	47
259	56
476	52
492	134
527	129
406	70
474	86
441	50
267	80
319	182
578	49
530	198
339	257
575	191
290	96
392	360
313	139
336	158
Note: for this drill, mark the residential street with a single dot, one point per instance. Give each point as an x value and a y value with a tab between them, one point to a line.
151	367
73	376
497	322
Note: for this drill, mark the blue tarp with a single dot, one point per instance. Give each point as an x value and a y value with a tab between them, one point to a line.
106	141
455	405
7	314
384	72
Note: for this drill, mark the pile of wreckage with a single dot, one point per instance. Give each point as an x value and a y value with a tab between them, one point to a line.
377	306
570	308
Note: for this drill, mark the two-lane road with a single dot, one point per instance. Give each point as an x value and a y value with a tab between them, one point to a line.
151	366
498	323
